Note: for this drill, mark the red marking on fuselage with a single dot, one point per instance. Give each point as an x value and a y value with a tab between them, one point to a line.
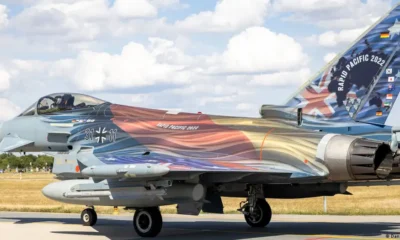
262	144
233	165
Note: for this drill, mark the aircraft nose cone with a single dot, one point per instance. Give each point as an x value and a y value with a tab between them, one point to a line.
53	191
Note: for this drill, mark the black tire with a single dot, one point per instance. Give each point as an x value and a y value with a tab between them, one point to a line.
263	214
147	222
89	217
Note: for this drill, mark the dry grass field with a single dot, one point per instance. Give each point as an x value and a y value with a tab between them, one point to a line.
25	195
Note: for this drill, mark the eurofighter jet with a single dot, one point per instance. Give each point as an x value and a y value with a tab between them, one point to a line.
145	158
328	134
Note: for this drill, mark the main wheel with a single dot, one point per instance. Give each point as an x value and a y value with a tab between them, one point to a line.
147	222
261	215
89	217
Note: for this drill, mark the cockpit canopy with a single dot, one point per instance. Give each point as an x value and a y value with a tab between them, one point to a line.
61	102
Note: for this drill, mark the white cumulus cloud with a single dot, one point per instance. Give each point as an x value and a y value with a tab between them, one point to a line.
228	15
137	65
282	79
257	49
75	21
334	14
332	38
133	9
247	106
8	109
168	4
3	16
307	6
329	57
265	57
4	80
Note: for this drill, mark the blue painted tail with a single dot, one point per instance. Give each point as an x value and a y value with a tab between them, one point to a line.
363	83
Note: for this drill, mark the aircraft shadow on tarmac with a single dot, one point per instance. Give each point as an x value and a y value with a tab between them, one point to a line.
118	229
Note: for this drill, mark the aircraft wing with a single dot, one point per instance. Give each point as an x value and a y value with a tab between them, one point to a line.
12	143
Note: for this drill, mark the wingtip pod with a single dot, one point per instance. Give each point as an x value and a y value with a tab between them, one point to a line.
126	171
361	84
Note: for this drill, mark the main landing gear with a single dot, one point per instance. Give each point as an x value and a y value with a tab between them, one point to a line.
89	217
256	210
147	221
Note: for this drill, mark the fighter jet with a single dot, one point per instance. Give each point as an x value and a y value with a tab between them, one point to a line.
330	132
142	158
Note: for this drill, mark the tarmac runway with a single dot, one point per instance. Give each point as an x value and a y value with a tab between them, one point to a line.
42	226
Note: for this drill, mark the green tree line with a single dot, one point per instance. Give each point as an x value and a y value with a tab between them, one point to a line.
26	161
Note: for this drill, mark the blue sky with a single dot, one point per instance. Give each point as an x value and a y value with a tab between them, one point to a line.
223	57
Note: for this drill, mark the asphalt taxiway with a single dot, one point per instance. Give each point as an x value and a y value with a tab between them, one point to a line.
45	226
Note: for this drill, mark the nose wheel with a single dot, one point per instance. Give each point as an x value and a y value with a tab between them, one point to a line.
147	221
89	217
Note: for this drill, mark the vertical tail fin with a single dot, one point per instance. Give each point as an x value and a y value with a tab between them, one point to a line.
361	84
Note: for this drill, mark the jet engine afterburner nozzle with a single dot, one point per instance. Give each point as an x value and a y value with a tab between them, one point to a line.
352	158
383	161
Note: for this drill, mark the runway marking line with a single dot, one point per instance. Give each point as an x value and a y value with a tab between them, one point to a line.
226	231
314	237
55	223
2	221
191	230
317	237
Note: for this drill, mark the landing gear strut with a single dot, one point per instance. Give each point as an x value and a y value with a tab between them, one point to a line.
256	210
147	221
89	217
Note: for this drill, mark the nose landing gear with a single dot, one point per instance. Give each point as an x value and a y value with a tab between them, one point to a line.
146	221
256	210
89	217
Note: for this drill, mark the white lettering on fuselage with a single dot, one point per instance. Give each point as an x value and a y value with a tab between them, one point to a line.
178	127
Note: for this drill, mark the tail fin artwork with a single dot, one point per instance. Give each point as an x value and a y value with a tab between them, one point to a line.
363	83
